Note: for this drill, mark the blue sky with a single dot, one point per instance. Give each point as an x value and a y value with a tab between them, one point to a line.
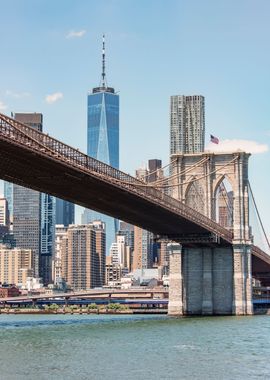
219	49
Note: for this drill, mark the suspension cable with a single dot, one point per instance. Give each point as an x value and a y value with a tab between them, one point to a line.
185	171
142	178
199	178
257	211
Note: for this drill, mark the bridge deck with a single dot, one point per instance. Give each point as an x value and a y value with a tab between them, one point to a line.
35	160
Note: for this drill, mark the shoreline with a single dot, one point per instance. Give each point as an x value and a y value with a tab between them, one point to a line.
81	312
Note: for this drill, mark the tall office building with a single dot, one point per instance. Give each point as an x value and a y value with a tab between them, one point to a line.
187	126
83	256
65	212
103	139
120	252
143	249
47	237
8	194
127	230
34	215
4	213
60	233
154	167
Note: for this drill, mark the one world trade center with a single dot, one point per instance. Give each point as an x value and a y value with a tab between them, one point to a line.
103	139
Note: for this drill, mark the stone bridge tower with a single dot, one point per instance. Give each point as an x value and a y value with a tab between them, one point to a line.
210	279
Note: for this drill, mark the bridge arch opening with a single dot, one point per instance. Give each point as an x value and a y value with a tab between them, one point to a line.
195	196
224	201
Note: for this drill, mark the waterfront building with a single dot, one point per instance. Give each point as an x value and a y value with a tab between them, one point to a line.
187	124
83	256
60	233
15	265
113	272
65	212
163	257
143	249
34	215
120	253
4	213
103	139
7	291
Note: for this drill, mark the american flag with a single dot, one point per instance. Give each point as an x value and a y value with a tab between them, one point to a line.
214	139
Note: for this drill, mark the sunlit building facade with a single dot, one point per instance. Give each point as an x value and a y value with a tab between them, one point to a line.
187	124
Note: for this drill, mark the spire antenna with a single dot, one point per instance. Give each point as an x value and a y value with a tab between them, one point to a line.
103	75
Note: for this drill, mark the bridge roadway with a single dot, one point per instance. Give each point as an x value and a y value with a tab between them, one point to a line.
33	159
93	293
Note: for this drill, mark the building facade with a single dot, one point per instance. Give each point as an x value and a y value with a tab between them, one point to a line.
113	272
143	249
65	212
4	212
83	256
33	215
103	139
60	234
15	265
8	194
187	124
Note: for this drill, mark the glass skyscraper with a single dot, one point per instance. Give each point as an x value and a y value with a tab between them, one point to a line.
65	212
33	215
103	139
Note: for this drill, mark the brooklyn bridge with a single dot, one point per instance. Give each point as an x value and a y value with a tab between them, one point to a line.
211	263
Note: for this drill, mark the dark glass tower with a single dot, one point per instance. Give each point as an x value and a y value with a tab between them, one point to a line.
64	212
103	138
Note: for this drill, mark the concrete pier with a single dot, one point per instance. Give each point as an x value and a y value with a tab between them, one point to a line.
175	306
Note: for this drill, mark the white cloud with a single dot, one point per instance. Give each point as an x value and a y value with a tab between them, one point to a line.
237	145
54	97
17	95
3	106
74	34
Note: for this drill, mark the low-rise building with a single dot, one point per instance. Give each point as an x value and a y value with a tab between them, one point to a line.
9	291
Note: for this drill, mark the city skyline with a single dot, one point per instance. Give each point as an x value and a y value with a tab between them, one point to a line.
144	64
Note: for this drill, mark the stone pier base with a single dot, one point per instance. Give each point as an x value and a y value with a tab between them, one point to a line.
210	281
242	300
175	306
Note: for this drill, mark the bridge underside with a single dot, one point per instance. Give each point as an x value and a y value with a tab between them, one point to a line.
43	173
261	270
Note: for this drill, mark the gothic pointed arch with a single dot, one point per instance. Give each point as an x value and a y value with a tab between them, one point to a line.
194	196
223	201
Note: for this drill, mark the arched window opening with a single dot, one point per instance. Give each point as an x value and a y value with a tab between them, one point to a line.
224	204
195	197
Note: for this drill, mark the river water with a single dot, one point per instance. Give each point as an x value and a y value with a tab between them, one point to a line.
133	347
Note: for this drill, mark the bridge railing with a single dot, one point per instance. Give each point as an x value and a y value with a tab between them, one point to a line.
41	142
